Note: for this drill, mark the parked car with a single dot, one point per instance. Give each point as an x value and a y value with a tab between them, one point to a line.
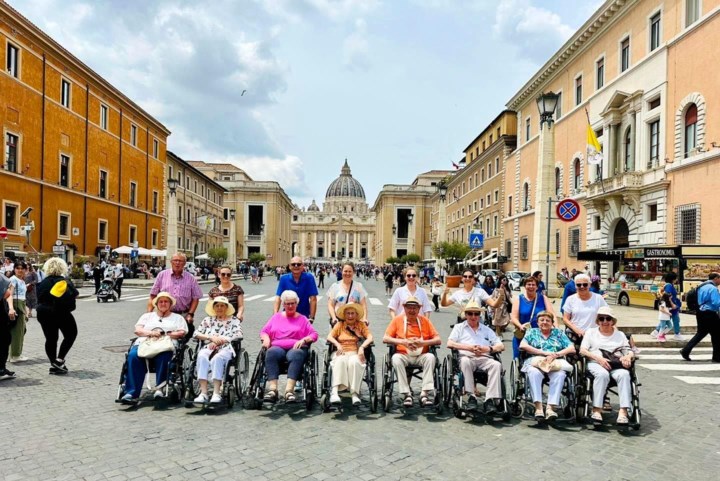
515	279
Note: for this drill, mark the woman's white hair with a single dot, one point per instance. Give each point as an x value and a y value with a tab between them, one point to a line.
289	296
580	277
55	266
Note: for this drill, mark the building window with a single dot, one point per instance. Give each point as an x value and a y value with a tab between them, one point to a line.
654	159
202	190
12	60
596	222
63	225
104	116
490	169
527	129
65	89
577	179
487	226
155	202
154	238
653	104
195	185
654	31
558	187
557	243
558	107
133	139
652	210
156	149
687	224
692	11
132	237
11	215
487	200
526	197
497	165
627	143
482	175
600	73
625	54
578	90
508	248
133	193
495	225
574	241
510	206
523	247
102	231
64	170
11	152
690	130
103	184
188	217
496	196
490	140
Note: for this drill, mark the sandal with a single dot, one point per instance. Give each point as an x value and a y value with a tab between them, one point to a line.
597	418
622	420
271	396
408	401
426	402
539	416
290	397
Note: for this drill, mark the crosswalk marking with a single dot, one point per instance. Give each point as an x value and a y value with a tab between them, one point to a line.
681	367
252	298
673	357
665	349
698	379
375	301
269	299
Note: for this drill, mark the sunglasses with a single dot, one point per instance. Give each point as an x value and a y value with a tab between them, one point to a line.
289	303
467	277
604	319
225	275
296	264
411	275
472	314
584	284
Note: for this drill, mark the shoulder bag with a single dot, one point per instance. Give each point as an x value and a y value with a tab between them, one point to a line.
149	348
519	333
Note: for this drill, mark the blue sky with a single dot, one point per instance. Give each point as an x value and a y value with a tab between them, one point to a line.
397	87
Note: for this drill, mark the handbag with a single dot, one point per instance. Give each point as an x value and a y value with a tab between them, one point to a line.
613	357
519	333
149	348
542	363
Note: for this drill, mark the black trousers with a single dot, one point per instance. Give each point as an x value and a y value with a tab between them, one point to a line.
118	286
53	323
708	322
5	338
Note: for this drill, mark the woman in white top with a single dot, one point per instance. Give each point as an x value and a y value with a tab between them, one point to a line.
581	309
346	291
410	289
160	322
18	330
466	293
607	338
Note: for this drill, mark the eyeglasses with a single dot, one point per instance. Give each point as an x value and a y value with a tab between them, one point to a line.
410	275
604	319
296	264
584	284
472	314
467	277
222	274
289	303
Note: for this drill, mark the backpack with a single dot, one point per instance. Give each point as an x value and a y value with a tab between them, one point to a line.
691	298
64	293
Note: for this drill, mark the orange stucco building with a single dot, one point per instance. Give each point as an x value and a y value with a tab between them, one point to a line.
87	160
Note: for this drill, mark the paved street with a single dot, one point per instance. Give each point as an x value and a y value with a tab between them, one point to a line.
70	428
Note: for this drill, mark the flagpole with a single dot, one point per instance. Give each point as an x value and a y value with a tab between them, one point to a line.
602	157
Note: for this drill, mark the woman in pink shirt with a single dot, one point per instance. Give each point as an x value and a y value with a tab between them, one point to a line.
287	337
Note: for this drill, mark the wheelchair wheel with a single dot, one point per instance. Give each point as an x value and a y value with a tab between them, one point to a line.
447	375
635	416
310	381
228	391
121	382
439	388
253	398
516	391
192	384
387	384
242	372
371	380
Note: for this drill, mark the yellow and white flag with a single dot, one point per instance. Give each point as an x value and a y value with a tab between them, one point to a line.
594	149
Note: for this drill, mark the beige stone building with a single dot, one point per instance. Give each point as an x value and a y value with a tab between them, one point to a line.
395	234
262	209
343	230
475	198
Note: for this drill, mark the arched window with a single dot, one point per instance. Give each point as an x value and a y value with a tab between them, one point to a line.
690	129
627	143
526	197
577	181
558	187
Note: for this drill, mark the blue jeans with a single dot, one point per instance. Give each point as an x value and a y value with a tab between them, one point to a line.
137	368
675	323
295	358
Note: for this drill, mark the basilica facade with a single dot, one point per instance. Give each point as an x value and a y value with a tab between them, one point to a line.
344	229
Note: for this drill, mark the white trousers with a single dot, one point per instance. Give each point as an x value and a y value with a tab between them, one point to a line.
602	380
426	361
347	372
535	379
216	364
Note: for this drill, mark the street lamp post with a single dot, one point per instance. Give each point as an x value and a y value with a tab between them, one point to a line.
232	254
547	104
442	190
171	244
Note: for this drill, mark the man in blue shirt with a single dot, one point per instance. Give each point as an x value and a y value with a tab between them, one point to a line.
303	283
569	290
708	317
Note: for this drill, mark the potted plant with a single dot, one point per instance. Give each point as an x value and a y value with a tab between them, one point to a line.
452	253
410	259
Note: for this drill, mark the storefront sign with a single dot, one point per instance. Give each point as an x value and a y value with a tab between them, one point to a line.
661	252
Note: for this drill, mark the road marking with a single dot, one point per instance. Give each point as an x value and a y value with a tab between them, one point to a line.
375	301
269	299
666	349
252	298
681	367
698	379
673	357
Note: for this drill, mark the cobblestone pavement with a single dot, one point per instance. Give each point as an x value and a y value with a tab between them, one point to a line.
70	428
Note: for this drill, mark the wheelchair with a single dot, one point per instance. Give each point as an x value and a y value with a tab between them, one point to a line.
389	379
253	398
235	377
634	413
522	407
174	387
369	378
455	385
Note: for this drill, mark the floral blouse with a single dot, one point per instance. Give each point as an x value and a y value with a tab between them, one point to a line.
555	342
229	329
232	295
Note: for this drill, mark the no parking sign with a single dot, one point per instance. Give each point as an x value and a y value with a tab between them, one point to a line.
567	210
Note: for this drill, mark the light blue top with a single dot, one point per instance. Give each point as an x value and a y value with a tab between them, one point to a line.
20	288
709	297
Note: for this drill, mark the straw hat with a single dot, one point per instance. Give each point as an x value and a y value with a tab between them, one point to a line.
165	295
412	300
210	306
351	305
606	311
472	306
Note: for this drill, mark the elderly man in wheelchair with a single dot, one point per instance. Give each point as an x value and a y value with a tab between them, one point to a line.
413	335
476	344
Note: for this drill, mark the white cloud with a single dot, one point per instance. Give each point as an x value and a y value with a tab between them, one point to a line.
356	48
536	32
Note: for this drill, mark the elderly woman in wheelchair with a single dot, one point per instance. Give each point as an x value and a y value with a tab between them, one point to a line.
609	356
546	346
476	345
216	332
350	337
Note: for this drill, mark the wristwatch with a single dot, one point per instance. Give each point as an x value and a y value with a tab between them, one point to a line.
311	319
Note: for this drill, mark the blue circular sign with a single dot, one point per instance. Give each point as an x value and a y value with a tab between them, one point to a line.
567	210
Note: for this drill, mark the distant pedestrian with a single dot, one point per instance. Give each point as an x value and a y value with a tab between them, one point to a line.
18	299
7	318
31	281
708	319
321	278
541	285
664	318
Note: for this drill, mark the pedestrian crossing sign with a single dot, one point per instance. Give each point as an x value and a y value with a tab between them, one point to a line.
476	240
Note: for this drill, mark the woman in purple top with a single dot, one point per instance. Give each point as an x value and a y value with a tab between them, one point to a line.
287	337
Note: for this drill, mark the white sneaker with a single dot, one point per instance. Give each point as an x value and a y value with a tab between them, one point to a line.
202	398
335	399
654	334
158	394
22	359
216	398
678	337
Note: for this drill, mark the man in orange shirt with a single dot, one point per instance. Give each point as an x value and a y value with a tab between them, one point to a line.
412	335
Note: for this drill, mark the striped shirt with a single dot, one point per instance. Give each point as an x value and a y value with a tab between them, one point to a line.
183	288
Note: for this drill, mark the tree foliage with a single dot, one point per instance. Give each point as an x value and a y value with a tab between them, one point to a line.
256	258
218	253
452	252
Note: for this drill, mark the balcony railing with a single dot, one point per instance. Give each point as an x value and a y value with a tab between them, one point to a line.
252	238
401	241
625	180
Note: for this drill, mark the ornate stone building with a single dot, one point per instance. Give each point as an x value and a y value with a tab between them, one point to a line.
343	229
